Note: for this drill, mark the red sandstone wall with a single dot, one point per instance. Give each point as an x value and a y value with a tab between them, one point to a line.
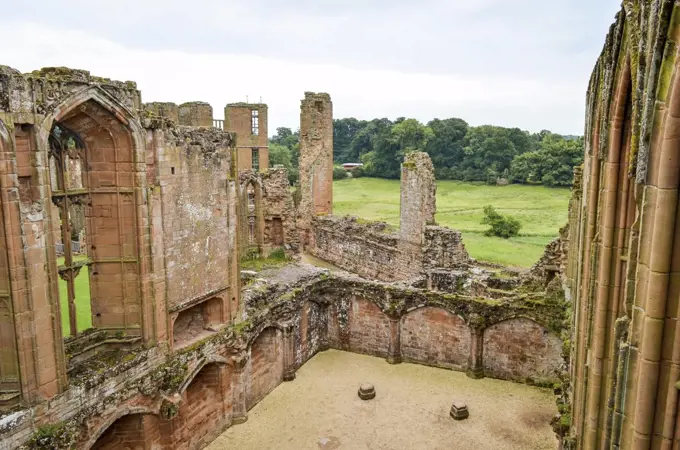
312	330
201	413
369	328
435	337
133	432
195	225
518	349
266	366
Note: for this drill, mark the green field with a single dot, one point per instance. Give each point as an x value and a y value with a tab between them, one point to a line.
542	212
83	307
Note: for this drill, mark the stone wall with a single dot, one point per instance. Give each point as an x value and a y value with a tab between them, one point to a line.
369	250
271	209
375	251
435	337
520	349
195	200
167	110
185	398
622	268
196	114
146	231
238	118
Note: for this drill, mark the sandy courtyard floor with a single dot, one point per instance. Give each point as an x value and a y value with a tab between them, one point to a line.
321	410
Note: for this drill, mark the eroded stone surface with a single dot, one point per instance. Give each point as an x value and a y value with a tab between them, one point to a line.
366	391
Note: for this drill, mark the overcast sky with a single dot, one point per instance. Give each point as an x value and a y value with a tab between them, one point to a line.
523	63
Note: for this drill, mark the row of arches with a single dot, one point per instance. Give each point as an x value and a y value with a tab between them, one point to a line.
516	348
206	403
219	392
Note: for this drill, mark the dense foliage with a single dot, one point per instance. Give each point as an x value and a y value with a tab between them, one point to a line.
500	225
486	153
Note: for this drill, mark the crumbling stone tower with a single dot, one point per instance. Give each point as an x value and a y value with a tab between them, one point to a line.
249	122
418	191
316	160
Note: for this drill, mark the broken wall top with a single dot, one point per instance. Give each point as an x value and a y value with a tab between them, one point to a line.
41	91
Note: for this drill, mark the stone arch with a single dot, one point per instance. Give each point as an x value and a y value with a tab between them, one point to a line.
521	349
112	419
112	142
367	330
266	364
261	328
212	359
202	406
435	336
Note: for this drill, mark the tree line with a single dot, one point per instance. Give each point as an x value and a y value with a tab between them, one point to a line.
487	153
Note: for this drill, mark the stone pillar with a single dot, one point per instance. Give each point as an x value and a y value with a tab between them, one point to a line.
394	349
239	382
417	209
418	191
289	352
196	114
316	160
476	359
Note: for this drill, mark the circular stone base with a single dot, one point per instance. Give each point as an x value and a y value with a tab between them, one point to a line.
366	391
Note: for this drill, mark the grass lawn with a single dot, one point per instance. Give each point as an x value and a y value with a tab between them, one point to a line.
541	210
83	307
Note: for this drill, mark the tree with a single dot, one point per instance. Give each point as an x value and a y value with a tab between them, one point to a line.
344	131
501	226
446	146
488	153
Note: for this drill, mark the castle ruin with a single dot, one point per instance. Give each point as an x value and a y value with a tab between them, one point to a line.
126	321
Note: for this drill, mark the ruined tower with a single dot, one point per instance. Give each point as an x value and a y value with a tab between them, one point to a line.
249	122
418	191
316	159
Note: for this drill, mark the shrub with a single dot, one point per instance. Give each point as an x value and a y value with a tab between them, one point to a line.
501	226
358	172
339	173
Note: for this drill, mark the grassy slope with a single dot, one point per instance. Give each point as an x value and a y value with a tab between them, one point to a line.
541	210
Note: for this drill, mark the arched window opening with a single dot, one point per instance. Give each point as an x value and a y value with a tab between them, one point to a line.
92	180
251	220
70	196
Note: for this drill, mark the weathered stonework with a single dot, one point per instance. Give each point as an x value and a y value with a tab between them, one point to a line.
178	348
316	161
268	218
196	114
167	110
622	272
250	123
375	251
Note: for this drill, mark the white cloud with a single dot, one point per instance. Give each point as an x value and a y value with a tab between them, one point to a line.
525	101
